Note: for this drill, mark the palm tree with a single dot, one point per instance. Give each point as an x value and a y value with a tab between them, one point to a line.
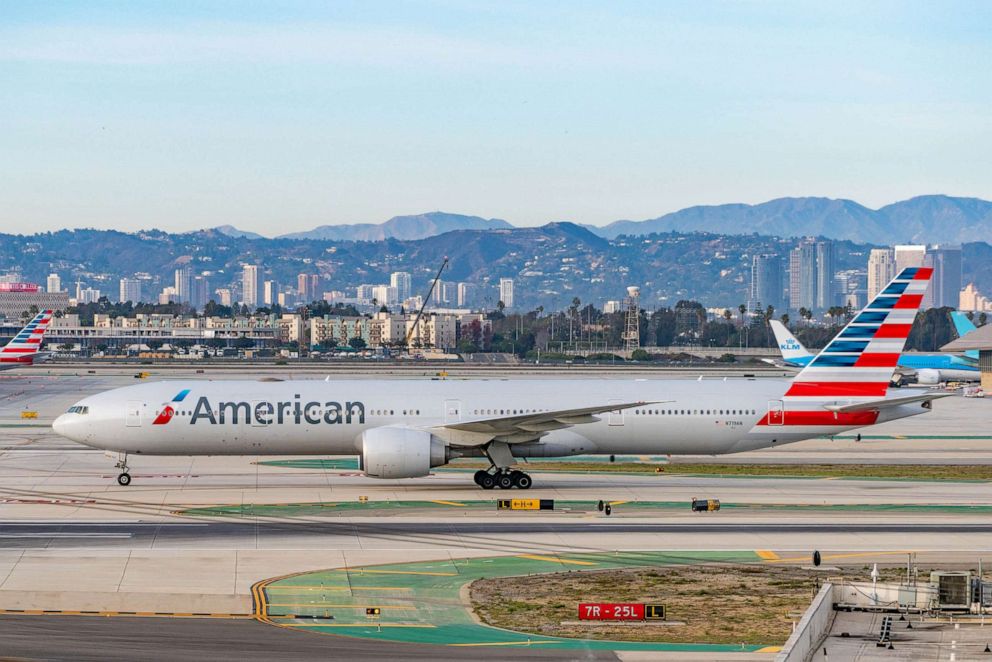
803	312
743	309
785	319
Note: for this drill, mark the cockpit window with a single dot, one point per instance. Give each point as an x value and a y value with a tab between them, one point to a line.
78	410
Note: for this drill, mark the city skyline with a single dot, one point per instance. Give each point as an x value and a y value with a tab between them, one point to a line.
286	116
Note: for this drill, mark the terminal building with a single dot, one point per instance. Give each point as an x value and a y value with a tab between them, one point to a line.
18	299
981	340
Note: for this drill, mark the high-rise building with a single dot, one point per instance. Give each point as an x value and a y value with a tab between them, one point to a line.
766	281
130	290
54	283
881	270
825	289
199	292
403	283
909	255
385	295
88	295
972	299
183	276
945	283
506	291
364	293
270	292
224	296
802	276
251	286
466	295
308	287
167	295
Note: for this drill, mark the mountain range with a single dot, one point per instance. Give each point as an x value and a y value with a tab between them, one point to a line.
923	219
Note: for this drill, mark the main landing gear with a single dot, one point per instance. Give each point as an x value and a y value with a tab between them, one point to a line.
504	479
124	479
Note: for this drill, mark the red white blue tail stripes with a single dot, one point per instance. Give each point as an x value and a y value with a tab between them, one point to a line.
27	342
858	364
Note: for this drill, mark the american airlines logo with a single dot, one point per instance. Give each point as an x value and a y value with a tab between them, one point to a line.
264	412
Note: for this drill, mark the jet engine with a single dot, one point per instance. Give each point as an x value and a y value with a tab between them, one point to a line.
928	376
400	452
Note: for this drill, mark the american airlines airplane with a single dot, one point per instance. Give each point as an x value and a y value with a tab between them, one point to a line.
24	348
403	428
927	368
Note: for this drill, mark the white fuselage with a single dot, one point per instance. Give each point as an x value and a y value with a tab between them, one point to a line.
301	417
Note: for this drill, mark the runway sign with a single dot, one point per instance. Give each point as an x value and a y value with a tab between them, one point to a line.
620	611
525	504
611	611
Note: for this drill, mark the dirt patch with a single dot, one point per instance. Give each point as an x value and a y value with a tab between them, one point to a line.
717	604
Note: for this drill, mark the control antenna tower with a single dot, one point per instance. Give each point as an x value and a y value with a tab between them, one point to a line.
632	332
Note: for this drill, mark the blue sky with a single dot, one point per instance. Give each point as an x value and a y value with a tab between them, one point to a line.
278	117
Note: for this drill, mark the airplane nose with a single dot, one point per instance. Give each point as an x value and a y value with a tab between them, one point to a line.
61	425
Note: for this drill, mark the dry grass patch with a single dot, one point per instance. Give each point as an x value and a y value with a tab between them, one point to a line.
718	604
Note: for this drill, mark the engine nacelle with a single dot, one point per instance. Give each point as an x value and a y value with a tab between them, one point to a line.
400	452
928	376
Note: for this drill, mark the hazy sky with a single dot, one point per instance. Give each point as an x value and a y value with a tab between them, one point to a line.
281	116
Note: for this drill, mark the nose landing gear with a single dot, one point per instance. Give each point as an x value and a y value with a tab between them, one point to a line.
124	479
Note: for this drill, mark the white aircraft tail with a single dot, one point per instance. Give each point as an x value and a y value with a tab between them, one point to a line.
792	349
27	343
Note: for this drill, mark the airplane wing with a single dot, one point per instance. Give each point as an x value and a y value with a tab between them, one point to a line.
521	428
875	405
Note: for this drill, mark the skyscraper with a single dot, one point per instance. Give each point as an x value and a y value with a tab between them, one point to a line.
199	292
130	290
403	283
466	293
54	283
182	283
881	269
506	291
766	281
909	255
307	286
802	275
250	286
270	292
945	284
825	288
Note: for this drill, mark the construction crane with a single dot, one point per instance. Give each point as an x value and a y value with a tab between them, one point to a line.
416	321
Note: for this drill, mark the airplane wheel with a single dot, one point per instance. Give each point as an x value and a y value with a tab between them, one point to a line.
478	476
124	479
487	482
522	481
505	481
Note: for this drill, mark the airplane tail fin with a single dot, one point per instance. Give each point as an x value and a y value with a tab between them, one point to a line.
964	326
27	342
860	361
792	350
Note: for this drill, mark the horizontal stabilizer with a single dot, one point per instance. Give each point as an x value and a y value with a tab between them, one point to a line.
885	403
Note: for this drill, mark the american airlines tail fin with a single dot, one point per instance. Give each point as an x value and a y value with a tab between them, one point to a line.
964	326
860	361
26	345
793	351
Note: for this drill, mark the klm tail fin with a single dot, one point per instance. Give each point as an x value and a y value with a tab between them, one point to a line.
792	350
860	361
964	326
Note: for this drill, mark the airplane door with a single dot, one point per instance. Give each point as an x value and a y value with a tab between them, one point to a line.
452	411
776	412
616	416
132	414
